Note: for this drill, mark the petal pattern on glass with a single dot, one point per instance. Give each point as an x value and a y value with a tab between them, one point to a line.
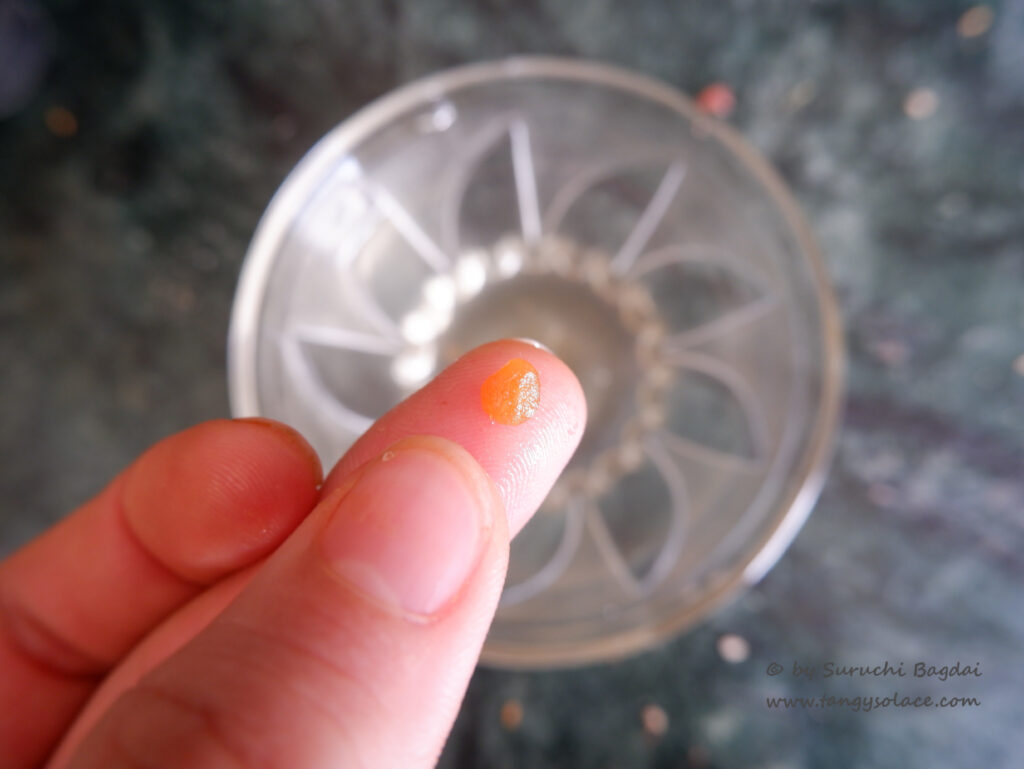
703	291
545	576
717	409
361	304
311	387
649	220
641	558
346	339
383	320
617	207
494	189
698	428
422	244
382	278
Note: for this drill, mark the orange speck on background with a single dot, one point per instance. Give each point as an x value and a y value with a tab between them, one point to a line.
511	715
975	21
61	121
716	99
510	395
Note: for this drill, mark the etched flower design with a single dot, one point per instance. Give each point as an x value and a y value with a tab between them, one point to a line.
680	422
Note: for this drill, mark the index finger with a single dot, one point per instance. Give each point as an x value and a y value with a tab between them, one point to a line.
523	460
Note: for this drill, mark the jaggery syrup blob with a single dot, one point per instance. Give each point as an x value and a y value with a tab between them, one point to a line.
510	395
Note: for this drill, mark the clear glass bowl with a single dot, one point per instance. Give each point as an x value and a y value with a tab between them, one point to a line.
650	247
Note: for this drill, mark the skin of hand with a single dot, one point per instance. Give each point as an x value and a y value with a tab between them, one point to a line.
220	604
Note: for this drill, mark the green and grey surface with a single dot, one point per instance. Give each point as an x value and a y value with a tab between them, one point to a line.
120	247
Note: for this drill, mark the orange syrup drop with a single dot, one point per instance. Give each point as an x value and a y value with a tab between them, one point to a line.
510	395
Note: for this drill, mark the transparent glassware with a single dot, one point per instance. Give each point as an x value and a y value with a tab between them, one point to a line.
650	247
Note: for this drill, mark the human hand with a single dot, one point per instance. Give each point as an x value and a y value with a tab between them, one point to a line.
215	606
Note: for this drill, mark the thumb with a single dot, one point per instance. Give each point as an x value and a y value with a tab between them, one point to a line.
354	643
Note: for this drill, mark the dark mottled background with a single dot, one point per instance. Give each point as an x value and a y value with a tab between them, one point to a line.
139	142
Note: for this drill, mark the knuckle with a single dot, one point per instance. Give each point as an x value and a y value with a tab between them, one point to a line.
152	724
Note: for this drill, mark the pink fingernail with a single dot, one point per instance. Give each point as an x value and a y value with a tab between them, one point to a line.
410	530
532	343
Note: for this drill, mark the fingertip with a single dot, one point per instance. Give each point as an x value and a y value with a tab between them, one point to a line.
291	438
214	498
560	389
524	459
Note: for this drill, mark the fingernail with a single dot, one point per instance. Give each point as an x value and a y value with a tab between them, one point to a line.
294	438
532	343
411	529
